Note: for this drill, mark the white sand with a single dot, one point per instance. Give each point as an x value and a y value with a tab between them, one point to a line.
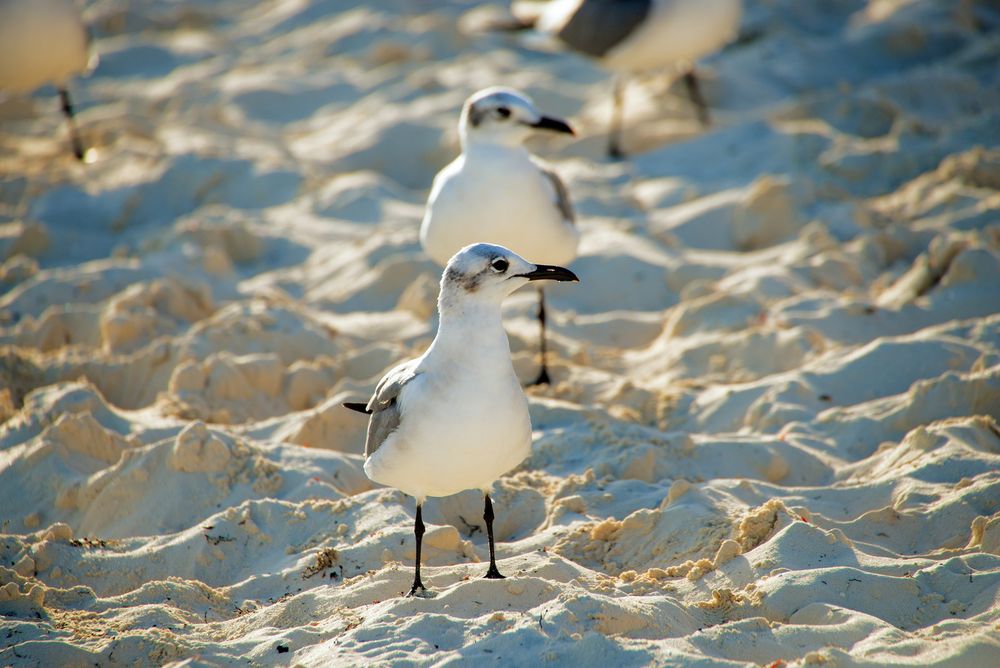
773	436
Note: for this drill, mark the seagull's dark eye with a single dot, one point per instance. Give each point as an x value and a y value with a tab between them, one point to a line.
503	112
499	265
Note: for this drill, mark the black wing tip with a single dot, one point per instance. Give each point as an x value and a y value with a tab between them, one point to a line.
357	406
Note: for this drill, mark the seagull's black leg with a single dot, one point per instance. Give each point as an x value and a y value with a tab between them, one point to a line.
492	573
543	375
615	132
418	531
74	136
694	92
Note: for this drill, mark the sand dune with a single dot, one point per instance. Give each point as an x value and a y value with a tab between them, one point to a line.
773	431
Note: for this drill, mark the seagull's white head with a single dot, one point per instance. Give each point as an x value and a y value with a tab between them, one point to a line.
489	273
503	116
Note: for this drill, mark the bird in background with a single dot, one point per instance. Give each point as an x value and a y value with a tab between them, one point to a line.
44	42
498	192
631	37
456	417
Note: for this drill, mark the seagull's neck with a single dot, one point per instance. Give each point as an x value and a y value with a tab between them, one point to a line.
470	328
480	149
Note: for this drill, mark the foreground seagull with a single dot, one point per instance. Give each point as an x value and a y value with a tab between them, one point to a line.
634	36
44	42
456	418
498	192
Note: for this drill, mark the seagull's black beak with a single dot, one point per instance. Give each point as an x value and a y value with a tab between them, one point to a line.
554	124
548	272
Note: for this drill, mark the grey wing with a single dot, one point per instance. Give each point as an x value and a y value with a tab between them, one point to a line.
562	193
598	26
384	405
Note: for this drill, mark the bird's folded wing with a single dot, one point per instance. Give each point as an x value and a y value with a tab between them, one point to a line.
597	26
384	405
560	194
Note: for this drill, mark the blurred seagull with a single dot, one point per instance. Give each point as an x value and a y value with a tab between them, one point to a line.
632	36
498	192
456	418
44	42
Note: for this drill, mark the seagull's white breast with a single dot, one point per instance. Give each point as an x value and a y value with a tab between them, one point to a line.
497	195
462	426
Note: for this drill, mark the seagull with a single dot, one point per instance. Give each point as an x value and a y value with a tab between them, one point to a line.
634	36
496	191
456	417
44	42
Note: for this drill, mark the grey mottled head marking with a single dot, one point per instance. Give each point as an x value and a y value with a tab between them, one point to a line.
476	115
468	282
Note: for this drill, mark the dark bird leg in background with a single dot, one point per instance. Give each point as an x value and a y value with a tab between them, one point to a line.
74	136
543	375
615	132
492	573
694	92
418	531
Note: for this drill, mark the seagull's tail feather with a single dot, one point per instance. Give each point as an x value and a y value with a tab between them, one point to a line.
357	406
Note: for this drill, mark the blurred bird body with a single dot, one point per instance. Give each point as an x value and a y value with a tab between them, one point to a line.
637	35
41	42
44	42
